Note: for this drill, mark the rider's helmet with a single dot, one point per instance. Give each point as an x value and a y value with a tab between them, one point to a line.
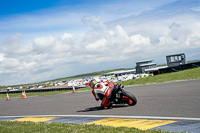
92	83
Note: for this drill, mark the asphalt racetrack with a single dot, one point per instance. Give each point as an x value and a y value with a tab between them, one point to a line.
173	99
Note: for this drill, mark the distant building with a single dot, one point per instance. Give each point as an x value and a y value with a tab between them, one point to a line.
154	70
121	72
142	65
176	60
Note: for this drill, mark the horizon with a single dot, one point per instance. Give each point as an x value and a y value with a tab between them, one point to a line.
85	73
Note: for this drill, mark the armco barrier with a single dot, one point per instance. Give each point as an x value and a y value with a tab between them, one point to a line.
41	90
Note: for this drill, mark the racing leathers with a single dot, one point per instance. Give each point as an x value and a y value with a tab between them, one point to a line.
102	89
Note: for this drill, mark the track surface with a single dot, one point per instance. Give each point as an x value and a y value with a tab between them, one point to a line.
175	99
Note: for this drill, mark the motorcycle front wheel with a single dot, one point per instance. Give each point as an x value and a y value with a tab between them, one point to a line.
130	98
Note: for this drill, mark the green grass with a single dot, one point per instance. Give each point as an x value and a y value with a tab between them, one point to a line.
43	127
175	76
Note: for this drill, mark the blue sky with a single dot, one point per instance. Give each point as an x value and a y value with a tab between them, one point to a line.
48	39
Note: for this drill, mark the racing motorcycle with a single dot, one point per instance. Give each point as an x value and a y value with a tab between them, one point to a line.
119	96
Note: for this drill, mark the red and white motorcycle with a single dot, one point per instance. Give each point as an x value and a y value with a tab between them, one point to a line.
119	96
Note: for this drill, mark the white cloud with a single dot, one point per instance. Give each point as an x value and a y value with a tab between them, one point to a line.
1	56
105	46
193	41
66	36
45	41
97	46
138	39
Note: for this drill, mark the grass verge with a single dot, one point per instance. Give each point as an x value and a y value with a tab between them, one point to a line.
43	127
175	76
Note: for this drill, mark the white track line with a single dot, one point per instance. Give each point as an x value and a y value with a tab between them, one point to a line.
109	116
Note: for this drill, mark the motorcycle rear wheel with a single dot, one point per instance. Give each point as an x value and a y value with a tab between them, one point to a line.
131	98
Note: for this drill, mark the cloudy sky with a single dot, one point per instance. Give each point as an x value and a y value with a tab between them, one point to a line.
48	39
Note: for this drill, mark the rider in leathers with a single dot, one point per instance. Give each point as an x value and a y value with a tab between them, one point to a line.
101	88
